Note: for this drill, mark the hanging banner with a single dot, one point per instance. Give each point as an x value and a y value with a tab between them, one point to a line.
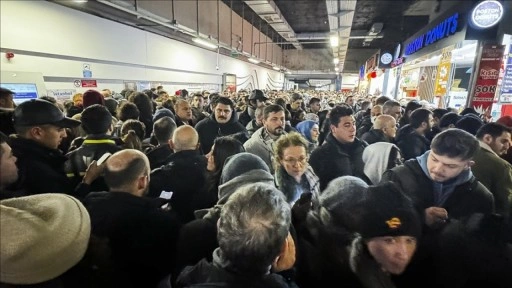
487	77
506	84
443	72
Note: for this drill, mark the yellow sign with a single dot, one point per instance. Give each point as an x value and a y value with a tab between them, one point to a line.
443	72
394	223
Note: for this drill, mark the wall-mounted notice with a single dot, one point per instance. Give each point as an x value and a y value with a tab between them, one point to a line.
487	77
506	84
61	95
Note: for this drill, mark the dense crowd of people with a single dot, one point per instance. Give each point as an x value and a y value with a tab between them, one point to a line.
252	189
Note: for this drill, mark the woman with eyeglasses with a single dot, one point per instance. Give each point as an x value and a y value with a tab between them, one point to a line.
294	176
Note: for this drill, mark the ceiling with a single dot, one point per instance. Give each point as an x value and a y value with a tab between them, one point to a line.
311	24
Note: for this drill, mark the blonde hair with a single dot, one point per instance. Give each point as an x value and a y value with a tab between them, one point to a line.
291	139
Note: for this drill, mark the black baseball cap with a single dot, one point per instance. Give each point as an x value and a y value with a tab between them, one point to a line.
257	94
39	112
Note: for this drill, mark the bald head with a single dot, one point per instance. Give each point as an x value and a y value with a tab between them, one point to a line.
124	171
185	138
387	124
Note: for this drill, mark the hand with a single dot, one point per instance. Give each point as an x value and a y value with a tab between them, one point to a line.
286	259
93	172
435	216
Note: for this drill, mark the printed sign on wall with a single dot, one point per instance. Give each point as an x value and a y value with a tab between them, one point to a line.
506	84
487	77
443	72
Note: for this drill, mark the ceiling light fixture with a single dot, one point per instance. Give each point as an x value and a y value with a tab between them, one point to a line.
204	43
80	1
336	61
335	41
254	60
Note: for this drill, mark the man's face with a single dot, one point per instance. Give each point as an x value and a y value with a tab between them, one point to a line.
392	253
50	136
345	132
9	171
443	168
223	113
315	107
7	102
275	122
260	103
501	144
350	101
396	112
296	104
390	129
198	102
376	111
184	111
430	123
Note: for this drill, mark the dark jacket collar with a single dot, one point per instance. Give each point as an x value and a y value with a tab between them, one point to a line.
25	147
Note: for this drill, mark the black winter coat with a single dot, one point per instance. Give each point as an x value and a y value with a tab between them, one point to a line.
40	169
208	129
411	143
374	136
333	160
159	156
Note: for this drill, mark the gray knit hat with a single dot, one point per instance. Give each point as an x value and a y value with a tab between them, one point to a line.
41	237
241	163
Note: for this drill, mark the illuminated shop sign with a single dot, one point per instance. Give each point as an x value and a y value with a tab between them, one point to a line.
486	14
444	29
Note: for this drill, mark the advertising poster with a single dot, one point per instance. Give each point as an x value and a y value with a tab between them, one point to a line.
506	84
443	72
487	77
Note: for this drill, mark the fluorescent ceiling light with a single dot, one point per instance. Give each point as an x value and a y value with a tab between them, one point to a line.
336	69
254	60
336	61
335	41
288	72
204	43
276	68
80	1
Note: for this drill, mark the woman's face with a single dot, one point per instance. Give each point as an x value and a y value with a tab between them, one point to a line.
210	164
315	132
294	160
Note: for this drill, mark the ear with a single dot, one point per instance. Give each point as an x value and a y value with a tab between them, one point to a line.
333	128
171	144
487	139
36	132
142	182
470	163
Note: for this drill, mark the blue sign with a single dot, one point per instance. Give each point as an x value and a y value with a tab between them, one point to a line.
361	72
506	84
87	74
444	29
486	14
23	91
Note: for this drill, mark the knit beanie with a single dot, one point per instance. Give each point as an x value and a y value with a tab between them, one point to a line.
241	163
92	97
162	112
42	236
470	123
96	119
388	212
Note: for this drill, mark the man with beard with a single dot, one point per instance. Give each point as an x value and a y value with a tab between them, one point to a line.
222	122
411	138
262	141
123	218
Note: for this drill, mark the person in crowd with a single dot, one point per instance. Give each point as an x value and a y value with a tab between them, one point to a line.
469	123
310	131
507	121
440	181
257	122
448	120
262	141
411	138
6	98
223	148
437	114
125	111
132	134
6	111
365	123
366	105
163	129
184	175
223	122
77	105
40	128
357	235
198	108
392	108
43	240
384	130
294	176
494	172
9	171
378	158
198	238
295	108
253	236
140	238
183	113
256	99
349	101
409	108
314	105
342	152
97	123
145	106
91	97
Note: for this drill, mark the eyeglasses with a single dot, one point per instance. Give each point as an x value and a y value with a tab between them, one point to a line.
293	161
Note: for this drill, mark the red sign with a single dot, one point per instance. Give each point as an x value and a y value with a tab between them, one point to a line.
398	62
89	83
487	78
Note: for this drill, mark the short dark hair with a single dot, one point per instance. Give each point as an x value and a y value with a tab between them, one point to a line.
439	112
131	124
4	92
163	129
128	110
383	99
295	97
455	143
96	119
338	112
365	105
419	116
120	178
448	119
314	100
386	107
273	108
225	147
224	101
493	129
